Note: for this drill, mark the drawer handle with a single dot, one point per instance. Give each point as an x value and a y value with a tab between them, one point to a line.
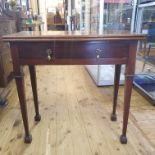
98	53
49	54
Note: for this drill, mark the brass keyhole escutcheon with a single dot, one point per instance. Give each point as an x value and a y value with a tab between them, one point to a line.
98	53
49	54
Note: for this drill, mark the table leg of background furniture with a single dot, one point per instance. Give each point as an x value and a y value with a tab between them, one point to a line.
34	90
116	87
129	73
21	94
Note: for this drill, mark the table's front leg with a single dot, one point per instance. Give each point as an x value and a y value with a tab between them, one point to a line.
116	87
22	100
34	90
129	74
127	98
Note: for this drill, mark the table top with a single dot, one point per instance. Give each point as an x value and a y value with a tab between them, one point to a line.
71	36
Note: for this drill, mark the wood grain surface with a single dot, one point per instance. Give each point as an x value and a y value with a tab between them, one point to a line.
76	118
72	36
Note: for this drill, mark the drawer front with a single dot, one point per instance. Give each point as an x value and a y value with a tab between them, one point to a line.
71	52
34	50
90	50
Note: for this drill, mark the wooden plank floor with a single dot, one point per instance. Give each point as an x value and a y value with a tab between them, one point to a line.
75	118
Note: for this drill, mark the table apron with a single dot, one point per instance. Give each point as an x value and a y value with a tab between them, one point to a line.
101	61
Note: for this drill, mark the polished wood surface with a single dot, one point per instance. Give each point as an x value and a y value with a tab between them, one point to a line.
63	48
72	35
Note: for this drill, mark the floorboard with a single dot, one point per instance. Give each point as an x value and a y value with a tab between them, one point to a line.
75	118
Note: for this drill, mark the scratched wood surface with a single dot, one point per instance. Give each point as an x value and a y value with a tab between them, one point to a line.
75	118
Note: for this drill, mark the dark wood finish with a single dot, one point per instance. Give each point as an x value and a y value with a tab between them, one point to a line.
73	48
116	87
130	68
34	90
19	76
22	101
71	36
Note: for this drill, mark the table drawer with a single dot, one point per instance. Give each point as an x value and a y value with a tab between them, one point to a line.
34	50
72	50
91	50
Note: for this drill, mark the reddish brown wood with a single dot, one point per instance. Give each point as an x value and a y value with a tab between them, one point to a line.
130	68
73	61
64	50
116	87
21	94
19	76
36	36
34	90
71	48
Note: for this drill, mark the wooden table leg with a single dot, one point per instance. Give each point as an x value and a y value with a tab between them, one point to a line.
130	68
34	90
116	87
128	89
21	94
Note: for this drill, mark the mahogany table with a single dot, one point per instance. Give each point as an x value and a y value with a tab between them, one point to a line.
73	48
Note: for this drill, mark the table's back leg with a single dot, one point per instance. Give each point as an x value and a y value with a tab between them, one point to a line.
116	87
21	94
34	90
